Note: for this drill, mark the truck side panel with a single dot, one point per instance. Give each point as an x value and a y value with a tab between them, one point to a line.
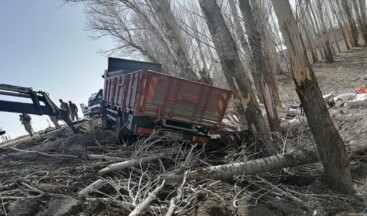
178	99
148	93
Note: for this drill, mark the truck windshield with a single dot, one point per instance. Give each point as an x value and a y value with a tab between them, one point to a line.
94	102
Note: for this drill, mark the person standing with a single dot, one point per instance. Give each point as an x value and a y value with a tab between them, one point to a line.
73	111
26	121
65	106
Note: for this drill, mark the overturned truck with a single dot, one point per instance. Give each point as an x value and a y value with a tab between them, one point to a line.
139	100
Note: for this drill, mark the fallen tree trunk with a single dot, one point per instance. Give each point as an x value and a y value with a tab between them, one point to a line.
253	167
129	163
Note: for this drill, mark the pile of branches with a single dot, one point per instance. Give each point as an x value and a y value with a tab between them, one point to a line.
163	176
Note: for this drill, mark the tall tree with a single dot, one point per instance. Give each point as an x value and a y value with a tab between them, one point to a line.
352	25
359	12
325	33
362	7
165	15
328	141
245	46
263	75
340	21
231	64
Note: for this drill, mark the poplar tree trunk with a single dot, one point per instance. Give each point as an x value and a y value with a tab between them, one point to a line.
232	66
328	141
333	33
340	20
352	24
262	70
328	49
245	46
164	13
362	7
359	19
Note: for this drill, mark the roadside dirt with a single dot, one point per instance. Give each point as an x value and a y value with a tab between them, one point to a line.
42	176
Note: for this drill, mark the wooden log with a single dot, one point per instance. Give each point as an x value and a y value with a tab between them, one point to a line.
129	163
252	167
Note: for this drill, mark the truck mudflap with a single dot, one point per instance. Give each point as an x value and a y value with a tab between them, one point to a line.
177	135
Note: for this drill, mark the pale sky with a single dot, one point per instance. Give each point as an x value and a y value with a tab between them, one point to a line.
47	48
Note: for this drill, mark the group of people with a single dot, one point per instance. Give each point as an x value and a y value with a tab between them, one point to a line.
70	107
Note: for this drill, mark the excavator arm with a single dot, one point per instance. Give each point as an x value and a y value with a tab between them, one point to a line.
41	103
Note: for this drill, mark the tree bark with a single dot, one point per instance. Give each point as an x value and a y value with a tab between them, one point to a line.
328	56
232	66
253	167
352	25
262	71
359	19
325	35
164	13
333	33
340	21
328	141
245	46
362	7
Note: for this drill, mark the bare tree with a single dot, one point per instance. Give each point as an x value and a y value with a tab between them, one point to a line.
352	25
359	13
325	34
340	21
262	75
165	15
329	143
231	64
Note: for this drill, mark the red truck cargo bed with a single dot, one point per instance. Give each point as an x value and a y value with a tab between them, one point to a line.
149	93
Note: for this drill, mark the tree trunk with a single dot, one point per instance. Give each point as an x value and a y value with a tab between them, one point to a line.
325	35
262	70
333	33
312	49
164	13
359	19
362	7
328	141
325	42
252	167
352	24
340	21
245	46
232	66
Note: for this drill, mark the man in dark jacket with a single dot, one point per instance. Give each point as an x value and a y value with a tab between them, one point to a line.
73	111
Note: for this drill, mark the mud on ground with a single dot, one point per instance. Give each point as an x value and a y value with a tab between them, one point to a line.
43	176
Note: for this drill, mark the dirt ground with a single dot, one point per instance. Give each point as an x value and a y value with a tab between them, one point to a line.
42	176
